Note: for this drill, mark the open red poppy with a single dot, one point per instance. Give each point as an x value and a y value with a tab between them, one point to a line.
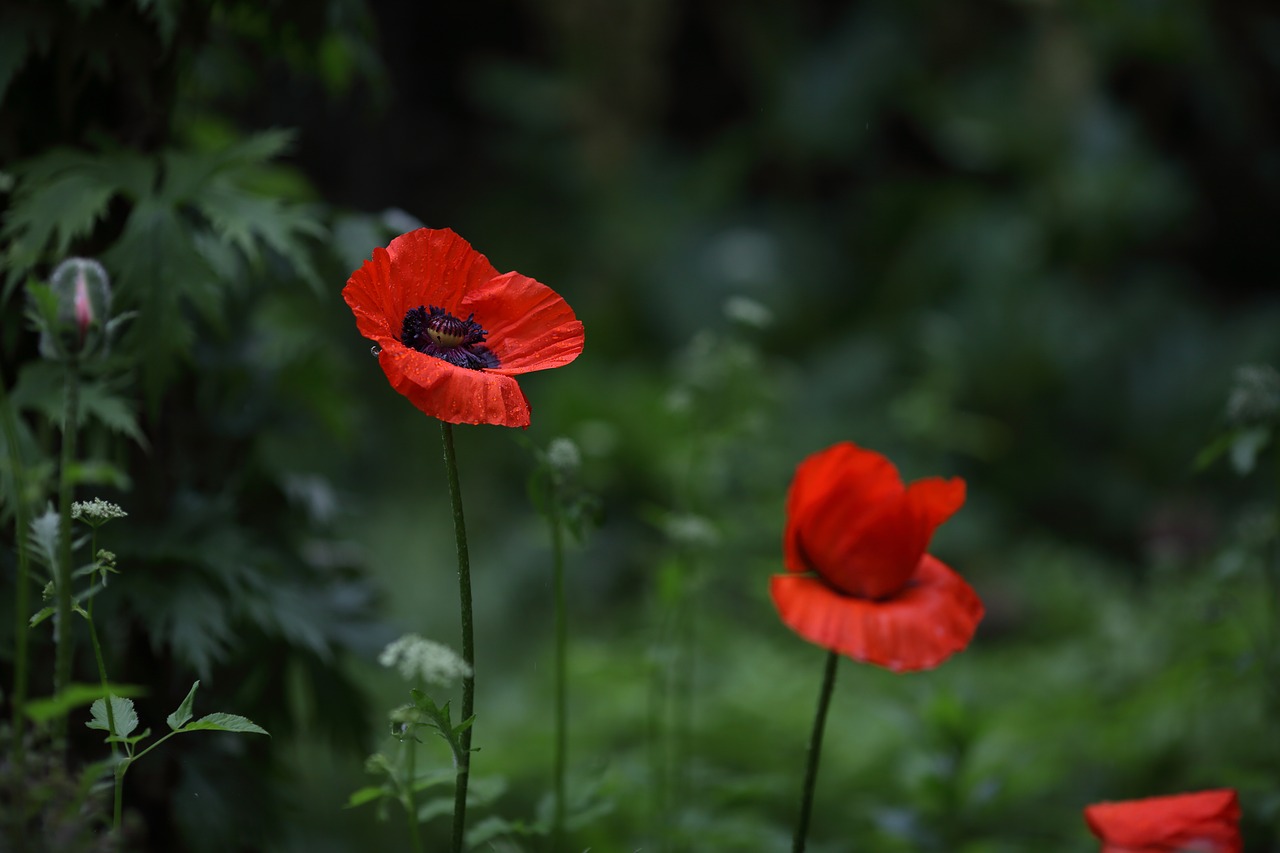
453	331
1200	822
859	581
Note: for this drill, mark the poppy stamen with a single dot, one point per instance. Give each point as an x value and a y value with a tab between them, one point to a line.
438	333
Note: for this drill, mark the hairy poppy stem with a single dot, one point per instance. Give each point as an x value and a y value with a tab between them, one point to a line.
815	752
562	692
468	641
62	653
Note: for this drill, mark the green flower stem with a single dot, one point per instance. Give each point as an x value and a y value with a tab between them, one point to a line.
21	626
102	666
815	752
410	804
468	641
118	809
562	692
62	658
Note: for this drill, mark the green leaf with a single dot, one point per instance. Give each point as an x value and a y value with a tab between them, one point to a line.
494	826
366	795
22	32
143	735
43	538
1246	446
99	401
74	696
225	723
60	196
42	614
179	718
435	778
126	718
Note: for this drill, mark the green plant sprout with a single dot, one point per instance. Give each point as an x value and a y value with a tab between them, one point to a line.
120	719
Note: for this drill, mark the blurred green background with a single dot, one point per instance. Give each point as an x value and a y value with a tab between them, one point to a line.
1024	242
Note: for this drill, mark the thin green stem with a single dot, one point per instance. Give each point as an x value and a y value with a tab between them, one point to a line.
815	752
102	666
21	627
468	641
562	690
62	658
118	810
410	804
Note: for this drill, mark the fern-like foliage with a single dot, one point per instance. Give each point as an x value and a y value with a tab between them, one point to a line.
195	231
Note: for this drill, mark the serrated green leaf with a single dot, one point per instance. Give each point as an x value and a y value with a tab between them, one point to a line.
220	722
141	736
100	402
41	615
43	538
179	718
126	718
60	196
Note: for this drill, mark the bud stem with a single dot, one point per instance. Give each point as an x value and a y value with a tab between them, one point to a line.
62	659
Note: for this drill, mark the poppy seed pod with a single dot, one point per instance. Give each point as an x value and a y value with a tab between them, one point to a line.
82	291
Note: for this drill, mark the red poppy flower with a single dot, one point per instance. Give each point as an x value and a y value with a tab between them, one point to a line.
453	331
860	582
1202	822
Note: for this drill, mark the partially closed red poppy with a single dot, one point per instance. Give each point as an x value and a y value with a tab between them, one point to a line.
1201	822
859	581
453	331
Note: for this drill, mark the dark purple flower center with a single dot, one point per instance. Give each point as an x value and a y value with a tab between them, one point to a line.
436	332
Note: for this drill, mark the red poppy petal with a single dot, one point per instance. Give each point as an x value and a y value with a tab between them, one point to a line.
935	500
861	477
433	267
454	394
918	629
1203	821
368	294
530	326
870	552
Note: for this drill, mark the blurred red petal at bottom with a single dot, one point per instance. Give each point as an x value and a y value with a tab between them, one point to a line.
931	619
1200	822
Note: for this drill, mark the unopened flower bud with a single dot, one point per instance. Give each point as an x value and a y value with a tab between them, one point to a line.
82	290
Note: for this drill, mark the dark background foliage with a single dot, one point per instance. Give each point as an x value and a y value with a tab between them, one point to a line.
1023	242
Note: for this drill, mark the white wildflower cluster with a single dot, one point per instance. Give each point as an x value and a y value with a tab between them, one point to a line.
418	658
748	312
693	531
96	511
563	455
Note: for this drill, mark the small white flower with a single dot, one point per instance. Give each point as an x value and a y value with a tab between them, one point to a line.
691	530
418	658
96	511
748	312
563	455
